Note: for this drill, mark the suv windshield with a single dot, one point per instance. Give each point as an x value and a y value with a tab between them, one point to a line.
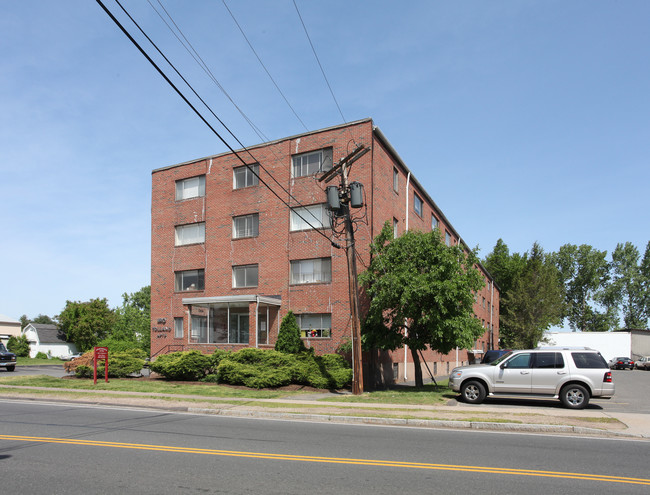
2	347
500	360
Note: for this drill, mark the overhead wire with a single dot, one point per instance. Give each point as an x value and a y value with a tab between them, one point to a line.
199	60
194	109
262	64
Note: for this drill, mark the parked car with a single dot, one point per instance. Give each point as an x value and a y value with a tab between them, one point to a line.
621	363
7	359
493	355
573	375
643	363
72	356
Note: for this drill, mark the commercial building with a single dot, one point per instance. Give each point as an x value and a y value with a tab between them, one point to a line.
230	259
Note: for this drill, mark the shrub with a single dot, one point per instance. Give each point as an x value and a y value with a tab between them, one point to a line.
120	365
289	336
184	365
41	355
116	345
18	345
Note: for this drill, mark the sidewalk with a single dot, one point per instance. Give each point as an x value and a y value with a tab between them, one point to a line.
320	407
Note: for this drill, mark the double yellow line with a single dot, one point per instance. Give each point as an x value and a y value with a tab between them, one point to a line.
331	460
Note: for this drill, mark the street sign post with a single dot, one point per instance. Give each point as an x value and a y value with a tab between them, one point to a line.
100	353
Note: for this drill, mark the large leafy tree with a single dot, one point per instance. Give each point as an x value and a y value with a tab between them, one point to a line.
421	294
628	287
86	323
505	270
43	319
583	271
133	319
534	303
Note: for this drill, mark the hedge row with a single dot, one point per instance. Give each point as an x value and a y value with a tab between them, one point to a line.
256	368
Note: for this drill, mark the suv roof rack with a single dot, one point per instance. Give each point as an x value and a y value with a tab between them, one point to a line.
564	348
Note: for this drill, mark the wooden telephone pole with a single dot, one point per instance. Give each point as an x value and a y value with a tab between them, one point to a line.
343	210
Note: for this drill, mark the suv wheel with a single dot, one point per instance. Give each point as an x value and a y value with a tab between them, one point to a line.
574	396
472	392
11	368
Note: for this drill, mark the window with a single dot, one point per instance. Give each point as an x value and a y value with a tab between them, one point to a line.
199	329
395	231
417	204
447	238
244	276
246	226
519	361
301	218
315	325
178	328
588	360
192	233
244	177
311	271
395	180
549	360
193	187
190	280
311	163
434	222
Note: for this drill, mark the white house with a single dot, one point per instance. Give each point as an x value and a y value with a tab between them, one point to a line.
47	339
8	327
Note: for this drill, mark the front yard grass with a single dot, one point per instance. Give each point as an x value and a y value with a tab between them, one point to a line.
429	394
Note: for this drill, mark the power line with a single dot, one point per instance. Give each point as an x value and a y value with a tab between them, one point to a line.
207	70
262	64
317	60
160	71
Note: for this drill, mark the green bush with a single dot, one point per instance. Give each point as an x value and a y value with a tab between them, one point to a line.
120	365
289	336
184	365
42	355
18	345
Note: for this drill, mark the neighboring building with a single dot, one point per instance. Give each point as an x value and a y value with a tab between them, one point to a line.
47	339
229	260
8	327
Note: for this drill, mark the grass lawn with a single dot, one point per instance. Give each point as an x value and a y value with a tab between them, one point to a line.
147	386
429	394
25	361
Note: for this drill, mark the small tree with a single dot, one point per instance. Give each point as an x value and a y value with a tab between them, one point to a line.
289	336
19	345
85	323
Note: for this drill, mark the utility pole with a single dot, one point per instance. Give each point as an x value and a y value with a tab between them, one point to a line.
339	201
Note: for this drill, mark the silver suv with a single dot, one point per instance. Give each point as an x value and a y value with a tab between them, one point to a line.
573	375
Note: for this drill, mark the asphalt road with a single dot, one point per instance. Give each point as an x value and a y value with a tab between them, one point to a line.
72	449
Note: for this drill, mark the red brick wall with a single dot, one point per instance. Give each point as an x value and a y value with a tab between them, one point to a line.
275	245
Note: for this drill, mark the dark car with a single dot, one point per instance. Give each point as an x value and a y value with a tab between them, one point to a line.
621	363
7	359
493	355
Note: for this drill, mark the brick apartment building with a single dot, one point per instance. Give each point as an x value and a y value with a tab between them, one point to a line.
229	259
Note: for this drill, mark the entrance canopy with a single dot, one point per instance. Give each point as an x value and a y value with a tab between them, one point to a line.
207	301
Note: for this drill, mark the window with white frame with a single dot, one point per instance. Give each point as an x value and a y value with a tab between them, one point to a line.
434	222
189	280
417	204
244	276
191	233
447	238
311	163
193	187
395	180
178	327
246	226
315	325
246	176
311	271
308	217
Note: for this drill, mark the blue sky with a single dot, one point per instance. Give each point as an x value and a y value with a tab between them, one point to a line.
524	120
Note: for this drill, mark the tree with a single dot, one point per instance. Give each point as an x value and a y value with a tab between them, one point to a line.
421	294
289	336
85	323
534	303
133	319
583	272
42	319
628	288
505	270
19	345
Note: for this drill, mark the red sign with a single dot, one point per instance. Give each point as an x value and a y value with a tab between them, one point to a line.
100	353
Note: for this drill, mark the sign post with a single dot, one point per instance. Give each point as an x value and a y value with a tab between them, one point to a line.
100	353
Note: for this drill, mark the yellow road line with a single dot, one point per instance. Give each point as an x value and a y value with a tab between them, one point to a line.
332	460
